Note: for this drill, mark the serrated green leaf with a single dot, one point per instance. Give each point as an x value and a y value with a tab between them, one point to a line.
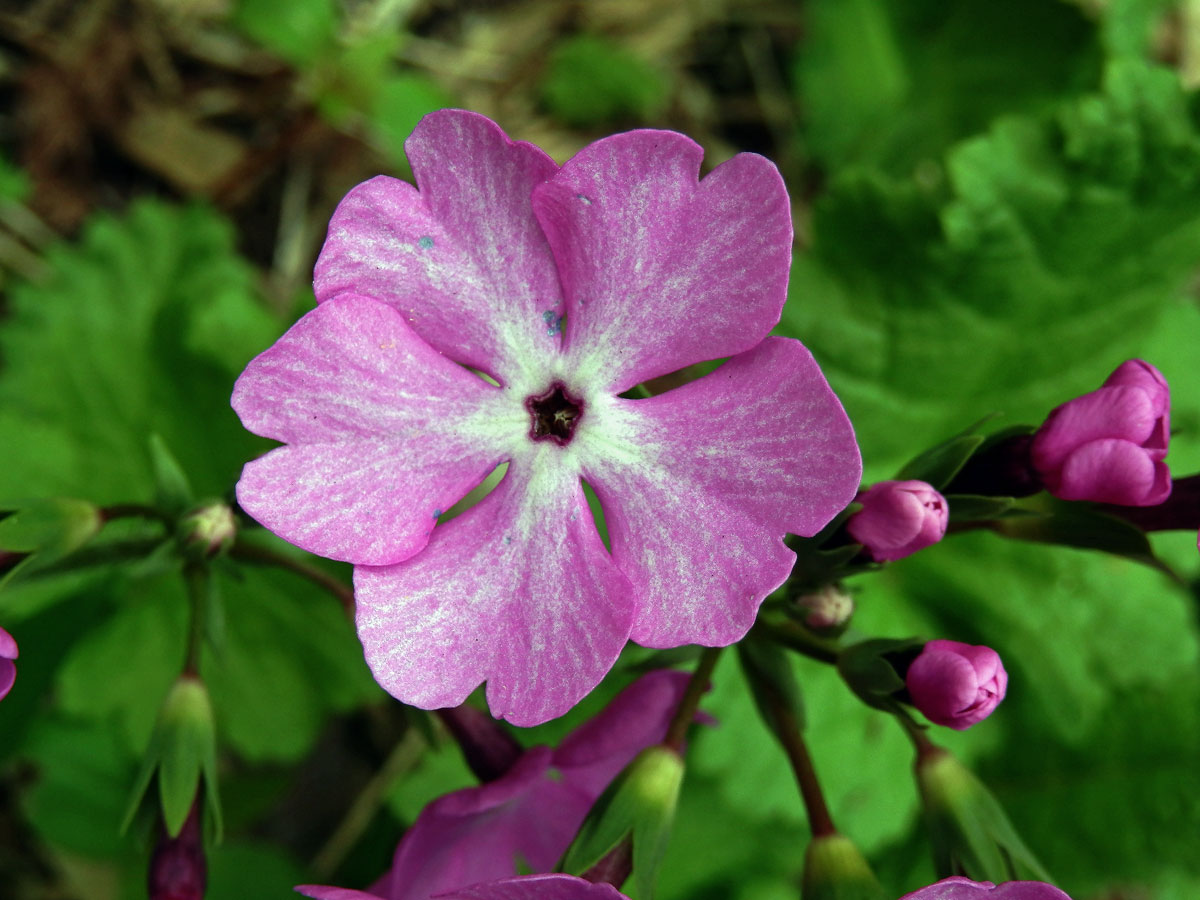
924	310
109	349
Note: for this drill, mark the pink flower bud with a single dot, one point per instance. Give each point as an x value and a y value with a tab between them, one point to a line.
177	869
1108	446
956	684
899	518
8	669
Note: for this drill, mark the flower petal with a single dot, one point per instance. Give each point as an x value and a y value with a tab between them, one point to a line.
462	258
484	833
537	887
1114	471
518	591
8	676
593	754
660	270
1120	412
321	892
700	484
384	433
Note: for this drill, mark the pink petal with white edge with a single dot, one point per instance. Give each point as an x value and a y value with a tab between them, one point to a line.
699	486
517	591
537	887
661	270
462	258
384	433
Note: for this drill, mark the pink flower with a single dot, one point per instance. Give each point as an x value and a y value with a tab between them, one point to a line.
8	668
956	684
538	887
529	815
899	518
1108	446
565	286
959	888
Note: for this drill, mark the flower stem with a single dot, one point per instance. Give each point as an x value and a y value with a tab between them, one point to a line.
133	511
690	702
787	730
196	576
796	637
256	554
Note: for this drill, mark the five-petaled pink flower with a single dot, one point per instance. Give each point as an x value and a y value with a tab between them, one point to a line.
1108	445
8	668
529	816
566	287
956	684
959	888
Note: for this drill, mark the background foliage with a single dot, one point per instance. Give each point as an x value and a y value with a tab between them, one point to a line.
996	202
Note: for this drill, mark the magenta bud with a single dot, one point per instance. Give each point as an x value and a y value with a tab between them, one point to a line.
177	868
959	888
1108	446
956	684
8	668
898	518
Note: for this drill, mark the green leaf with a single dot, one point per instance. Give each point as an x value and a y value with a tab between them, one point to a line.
923	310
592	81
400	103
117	344
1079	525
894	84
14	183
974	508
300	31
172	492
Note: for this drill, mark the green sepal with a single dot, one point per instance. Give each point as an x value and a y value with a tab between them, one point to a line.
1079	525
938	465
772	682
866	670
977	508
181	753
172	489
968	828
48	530
639	806
835	869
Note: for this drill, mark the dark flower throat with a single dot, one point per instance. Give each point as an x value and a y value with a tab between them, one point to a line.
553	414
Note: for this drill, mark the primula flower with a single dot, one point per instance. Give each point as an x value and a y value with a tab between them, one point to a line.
530	815
956	684
1108	446
565	287
8	668
959	888
899	518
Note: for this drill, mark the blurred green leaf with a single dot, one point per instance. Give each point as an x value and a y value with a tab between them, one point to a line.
14	183
400	103
1020	290
300	31
894	84
591	81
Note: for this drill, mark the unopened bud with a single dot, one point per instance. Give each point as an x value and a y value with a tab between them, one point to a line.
827	608
834	869
898	518
177	867
208	531
956	684
8	668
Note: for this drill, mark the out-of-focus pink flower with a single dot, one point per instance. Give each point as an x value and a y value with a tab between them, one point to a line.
959	888
1108	446
956	684
566	286
530	815
538	887
899	518
8	668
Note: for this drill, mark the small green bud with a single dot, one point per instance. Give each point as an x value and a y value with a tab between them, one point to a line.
827	610
969	830
182	751
834	869
41	532
638	805
208	532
